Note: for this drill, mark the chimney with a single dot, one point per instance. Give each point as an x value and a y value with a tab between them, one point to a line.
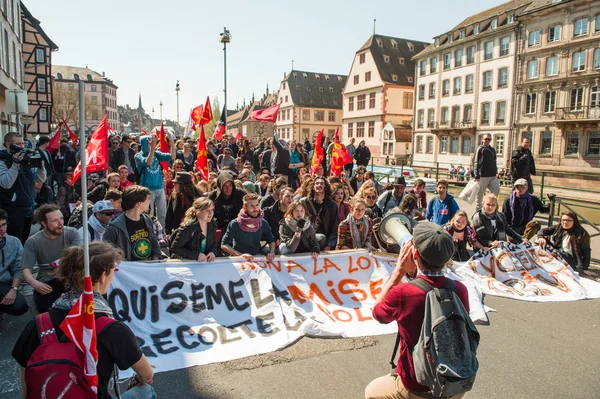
267	90
103	75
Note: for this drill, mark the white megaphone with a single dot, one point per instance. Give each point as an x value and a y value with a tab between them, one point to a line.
395	229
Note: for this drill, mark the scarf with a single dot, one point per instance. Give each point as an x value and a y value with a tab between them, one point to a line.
493	222
526	206
357	240
293	224
98	227
68	299
249	224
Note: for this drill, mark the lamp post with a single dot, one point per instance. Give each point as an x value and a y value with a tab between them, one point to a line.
153	116
225	38
177	91
160	112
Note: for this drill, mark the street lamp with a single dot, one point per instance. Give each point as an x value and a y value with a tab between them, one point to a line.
177	91
153	116
160	112
225	38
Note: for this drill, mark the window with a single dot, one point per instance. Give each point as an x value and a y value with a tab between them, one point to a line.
419	144
494	23
368	76
468	114
476	30
471	55
437	42
71	86
286	99
457	86
386	59
502	78
360	129
499	144
577	99
430	118
40	55
530	103
454	144
597	23
447	58
306	114
319	116
580	27
287	114
429	145
423	68
572	145
94	100
504	46
432	90
595	97
360	101
578	61
485	113
511	19
489	50
350	103
362	58
420	118
462	34
443	144
532	69
597	58
455	114
401	60
433	65
350	129
552	66
372	100
41	85
445	87
331	116
356	79
371	129
554	34
94	88
487	80
500	112
466	144
545	143
550	101
407	100
444	116
394	77
593	143
421	92
458	55
43	114
534	38
469	84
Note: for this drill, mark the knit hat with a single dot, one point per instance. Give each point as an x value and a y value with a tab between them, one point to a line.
433	243
249	186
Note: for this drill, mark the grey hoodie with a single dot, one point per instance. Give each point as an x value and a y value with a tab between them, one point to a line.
11	260
116	233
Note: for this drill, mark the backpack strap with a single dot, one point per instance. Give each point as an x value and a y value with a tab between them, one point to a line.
102	322
46	330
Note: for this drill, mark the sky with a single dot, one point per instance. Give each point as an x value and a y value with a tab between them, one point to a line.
146	46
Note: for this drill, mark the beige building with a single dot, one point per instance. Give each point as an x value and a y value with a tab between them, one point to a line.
239	120
379	97
558	84
100	97
310	102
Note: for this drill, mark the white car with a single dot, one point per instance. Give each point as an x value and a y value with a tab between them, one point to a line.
387	174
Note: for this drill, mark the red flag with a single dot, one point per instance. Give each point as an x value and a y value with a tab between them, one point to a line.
164	146
80	327
339	156
54	142
195	116
96	152
207	115
239	136
202	159
71	134
220	127
318	154
266	115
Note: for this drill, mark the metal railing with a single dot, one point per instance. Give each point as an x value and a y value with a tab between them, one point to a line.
578	113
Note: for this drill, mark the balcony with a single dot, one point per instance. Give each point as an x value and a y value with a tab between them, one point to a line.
580	114
465	126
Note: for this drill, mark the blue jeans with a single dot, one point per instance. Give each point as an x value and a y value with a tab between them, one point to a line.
140	392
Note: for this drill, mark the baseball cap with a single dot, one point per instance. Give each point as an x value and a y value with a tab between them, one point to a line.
104	205
521	182
434	243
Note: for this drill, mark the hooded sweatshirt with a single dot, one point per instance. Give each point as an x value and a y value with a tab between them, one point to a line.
226	209
151	175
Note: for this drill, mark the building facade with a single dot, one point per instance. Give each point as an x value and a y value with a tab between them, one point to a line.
310	102
379	97
558	84
37	75
239	122
464	89
100	97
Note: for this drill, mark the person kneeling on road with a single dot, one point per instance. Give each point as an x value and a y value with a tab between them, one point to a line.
11	301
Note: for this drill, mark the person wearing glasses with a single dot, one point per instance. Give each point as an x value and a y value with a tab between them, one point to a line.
114	148
225	159
126	156
11	300
571	241
358	179
102	212
485	169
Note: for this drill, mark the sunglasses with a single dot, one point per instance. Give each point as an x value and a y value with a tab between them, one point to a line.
487	139
107	213
178	167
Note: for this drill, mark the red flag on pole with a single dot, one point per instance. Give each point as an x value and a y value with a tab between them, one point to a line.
54	142
239	135
339	156
164	146
71	134
195	116
220	127
207	114
202	159
318	154
97	152
266	115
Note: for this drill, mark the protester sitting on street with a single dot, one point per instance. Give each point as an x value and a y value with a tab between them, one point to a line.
323	213
356	231
358	179
391	198
571	241
297	233
462	233
370	197
274	213
67	197
245	233
225	159
196	238
168	176
491	226
404	303
11	300
187	156
274	189
181	200
250	170
418	191
115	197
443	206
340	199
124	181
44	194
132	231
262	186
370	176
44	248
116	343
227	200
102	213
113	182
407	207
520	207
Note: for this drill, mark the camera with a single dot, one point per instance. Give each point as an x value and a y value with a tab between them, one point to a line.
31	158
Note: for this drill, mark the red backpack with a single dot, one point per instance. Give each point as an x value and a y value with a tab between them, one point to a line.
55	369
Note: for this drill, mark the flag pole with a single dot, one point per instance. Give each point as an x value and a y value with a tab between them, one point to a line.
84	200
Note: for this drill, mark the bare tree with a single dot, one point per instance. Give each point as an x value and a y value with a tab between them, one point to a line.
66	106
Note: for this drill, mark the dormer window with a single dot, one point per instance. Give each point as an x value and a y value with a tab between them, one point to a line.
327	78
305	76
401	60
462	34
410	79
450	38
76	76
411	47
307	88
295	75
320	90
494	23
386	59
394	77
394	44
318	76
331	89
476	30
297	87
437	42
379	42
511	19
59	75
339	78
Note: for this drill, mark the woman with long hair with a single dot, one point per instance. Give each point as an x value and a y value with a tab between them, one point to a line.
370	196
462	234
196	238
184	194
356	231
296	233
571	240
340	199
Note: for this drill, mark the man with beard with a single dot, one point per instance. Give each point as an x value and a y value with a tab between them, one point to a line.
323	212
244	234
113	181
523	164
520	208
275	212
126	156
391	198
43	249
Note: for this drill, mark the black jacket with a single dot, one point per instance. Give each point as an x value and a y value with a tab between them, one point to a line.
188	239
484	163
175	213
485	234
519	219
68	161
522	163
273	217
354	183
580	247
307	241
217	197
362	155
282	164
98	193
119	159
328	219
